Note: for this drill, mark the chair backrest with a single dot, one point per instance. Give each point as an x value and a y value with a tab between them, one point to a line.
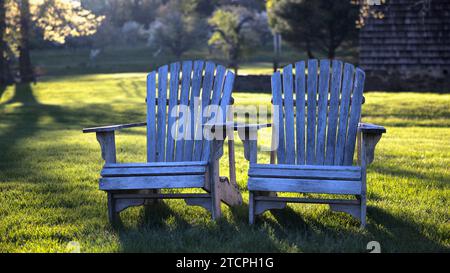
173	88
319	107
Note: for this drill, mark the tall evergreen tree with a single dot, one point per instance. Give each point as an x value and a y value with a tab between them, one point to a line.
5	73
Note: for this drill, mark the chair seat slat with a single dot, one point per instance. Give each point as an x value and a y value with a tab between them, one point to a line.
152	182
149	171
304	185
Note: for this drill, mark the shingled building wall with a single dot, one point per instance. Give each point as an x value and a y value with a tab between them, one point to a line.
409	49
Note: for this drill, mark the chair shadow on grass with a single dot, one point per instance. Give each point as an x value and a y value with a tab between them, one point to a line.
392	232
164	229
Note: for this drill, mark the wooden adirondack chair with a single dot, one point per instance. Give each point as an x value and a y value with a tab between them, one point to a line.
174	162
316	127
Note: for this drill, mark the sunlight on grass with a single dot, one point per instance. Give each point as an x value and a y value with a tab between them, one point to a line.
49	170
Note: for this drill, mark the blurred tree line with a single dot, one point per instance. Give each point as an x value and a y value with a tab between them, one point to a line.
232	28
26	23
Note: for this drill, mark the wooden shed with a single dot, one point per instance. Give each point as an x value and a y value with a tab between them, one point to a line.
409	49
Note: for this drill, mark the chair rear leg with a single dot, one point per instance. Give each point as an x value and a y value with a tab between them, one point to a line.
251	208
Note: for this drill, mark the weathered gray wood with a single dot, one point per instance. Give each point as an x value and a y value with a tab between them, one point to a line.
304	185
202	202
226	95
195	93
289	114
305	174
215	100
244	129
173	104
253	151
370	141
248	133
355	115
118	172
251	208
300	87
151	117
161	124
122	204
311	126
324	79
229	192
232	163
184	102
161	196
372	135
155	164
343	113
113	216
214	177
218	85
353	210
306	101
333	112
308	167
362	197
113	127
307	200
108	145
151	182
207	86
262	206
369	128
278	113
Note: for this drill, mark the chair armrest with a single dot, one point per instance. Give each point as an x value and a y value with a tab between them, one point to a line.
369	135
110	128
368	128
248	133
106	138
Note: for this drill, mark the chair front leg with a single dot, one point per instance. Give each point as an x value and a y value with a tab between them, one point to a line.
108	148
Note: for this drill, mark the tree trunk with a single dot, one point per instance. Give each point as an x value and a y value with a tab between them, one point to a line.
5	72
276	50
234	59
26	70
331	53
308	50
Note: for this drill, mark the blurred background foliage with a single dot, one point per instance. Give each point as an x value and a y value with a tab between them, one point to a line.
229	30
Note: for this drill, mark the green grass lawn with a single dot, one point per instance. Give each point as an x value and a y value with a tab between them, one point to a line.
49	193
